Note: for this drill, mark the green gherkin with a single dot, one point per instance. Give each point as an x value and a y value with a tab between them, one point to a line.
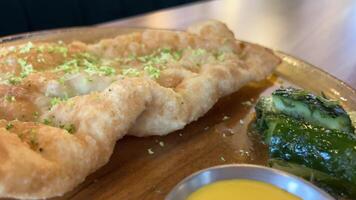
317	110
329	151
319	146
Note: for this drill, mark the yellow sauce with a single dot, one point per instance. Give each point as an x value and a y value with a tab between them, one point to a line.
240	189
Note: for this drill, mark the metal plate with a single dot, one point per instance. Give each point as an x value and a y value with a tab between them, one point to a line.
219	137
287	182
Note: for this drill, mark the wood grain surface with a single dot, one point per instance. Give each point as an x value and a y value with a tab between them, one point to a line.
321	32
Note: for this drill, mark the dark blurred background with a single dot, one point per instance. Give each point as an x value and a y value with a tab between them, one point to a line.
18	16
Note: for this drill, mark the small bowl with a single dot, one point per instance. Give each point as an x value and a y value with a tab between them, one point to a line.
280	179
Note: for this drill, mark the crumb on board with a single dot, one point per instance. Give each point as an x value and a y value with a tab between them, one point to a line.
158	191
161	143
222	158
180	134
225	118
247	103
343	99
150	151
241	121
244	152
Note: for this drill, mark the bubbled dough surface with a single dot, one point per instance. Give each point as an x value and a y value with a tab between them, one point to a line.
124	105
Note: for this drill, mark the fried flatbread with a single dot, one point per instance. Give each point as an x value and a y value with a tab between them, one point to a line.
64	106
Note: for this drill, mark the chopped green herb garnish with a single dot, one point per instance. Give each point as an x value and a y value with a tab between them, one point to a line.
14	80
26	48
177	55
220	56
35	115
9	126
47	121
41	48
130	58
62	50
87	56
199	52
152	71
89	79
10	98
143	59
61	80
130	72
59	48
70	67
70	128
55	101
165	50
106	70
70	103
92	69
50	49
26	68
33	139
162	56
21	62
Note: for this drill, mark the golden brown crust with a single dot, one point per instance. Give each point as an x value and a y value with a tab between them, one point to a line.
41	161
62	108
